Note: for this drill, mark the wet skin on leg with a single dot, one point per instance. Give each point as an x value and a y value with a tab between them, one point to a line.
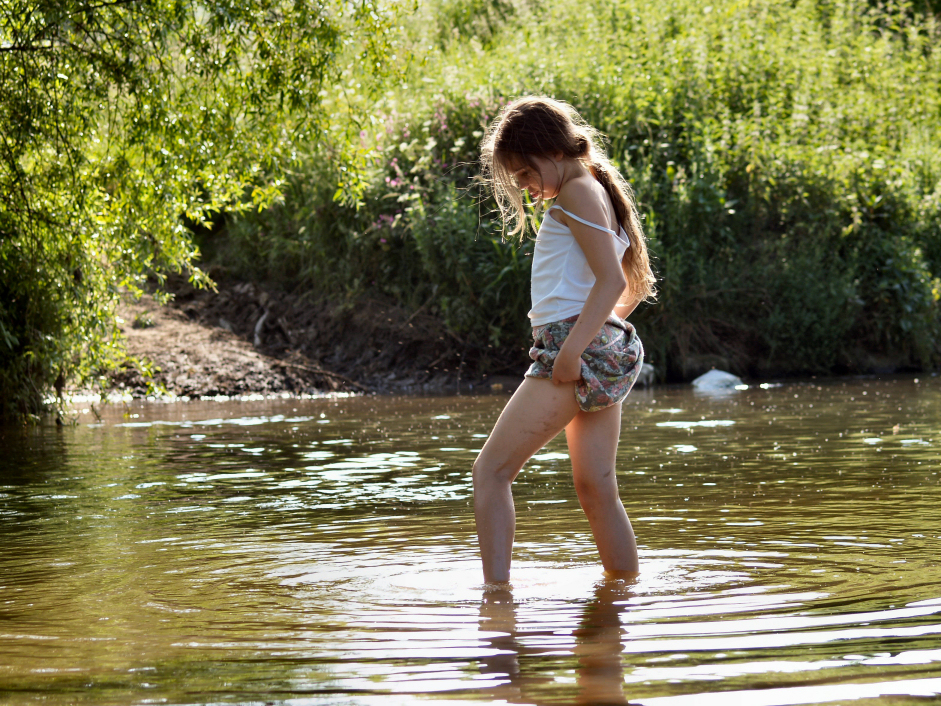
535	414
593	443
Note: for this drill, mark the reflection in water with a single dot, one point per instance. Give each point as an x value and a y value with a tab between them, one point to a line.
323	552
499	631
597	648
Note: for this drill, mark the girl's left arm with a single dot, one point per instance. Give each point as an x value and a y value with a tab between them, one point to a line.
625	307
610	284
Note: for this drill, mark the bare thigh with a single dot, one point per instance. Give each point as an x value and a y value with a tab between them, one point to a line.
535	414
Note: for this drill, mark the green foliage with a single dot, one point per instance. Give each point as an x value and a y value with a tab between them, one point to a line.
124	124
458	20
786	155
417	235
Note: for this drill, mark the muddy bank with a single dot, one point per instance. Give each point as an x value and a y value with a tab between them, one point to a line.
173	354
244	339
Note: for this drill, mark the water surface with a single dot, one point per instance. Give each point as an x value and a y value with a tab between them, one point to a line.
322	551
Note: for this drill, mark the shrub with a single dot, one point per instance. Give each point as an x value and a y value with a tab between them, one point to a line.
786	156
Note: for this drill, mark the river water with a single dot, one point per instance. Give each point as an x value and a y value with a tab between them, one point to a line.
322	551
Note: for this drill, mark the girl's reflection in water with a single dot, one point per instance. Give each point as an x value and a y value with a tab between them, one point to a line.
598	644
498	615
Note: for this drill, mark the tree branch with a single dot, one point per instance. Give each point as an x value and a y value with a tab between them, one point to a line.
26	48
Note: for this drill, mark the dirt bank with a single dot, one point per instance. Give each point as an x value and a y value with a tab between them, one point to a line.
244	339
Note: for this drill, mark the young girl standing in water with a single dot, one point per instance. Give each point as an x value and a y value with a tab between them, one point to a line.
590	270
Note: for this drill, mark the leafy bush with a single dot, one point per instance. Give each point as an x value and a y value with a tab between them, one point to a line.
786	155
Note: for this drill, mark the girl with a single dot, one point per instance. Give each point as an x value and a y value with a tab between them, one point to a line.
590	270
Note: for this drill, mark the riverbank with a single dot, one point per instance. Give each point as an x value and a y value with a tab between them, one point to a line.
243	339
246	339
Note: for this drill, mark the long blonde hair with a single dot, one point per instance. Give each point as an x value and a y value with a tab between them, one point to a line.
537	126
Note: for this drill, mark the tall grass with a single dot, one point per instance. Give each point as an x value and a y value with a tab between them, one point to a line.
786	157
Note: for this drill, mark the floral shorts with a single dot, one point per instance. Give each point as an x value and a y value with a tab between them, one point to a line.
610	364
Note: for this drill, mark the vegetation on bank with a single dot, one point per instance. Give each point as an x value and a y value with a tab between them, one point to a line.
786	156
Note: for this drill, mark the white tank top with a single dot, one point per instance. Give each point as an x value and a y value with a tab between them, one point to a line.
562	278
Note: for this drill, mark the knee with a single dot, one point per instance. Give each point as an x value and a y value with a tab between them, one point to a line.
595	490
489	473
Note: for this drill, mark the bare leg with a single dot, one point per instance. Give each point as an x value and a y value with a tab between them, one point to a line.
593	443
535	414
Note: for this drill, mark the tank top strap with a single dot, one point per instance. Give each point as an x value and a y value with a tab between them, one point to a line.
621	236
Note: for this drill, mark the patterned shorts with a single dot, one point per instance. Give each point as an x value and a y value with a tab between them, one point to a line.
610	364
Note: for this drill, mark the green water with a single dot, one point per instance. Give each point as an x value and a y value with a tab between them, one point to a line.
323	552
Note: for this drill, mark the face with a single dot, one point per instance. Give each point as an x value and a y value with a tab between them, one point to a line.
542	180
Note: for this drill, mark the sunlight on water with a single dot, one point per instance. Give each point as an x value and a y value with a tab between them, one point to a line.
323	552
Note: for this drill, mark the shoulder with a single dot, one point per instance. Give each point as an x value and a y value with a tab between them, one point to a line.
584	197
576	191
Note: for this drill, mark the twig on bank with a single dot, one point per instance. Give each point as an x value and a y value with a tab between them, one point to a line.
460	369
434	290
438	359
318	371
